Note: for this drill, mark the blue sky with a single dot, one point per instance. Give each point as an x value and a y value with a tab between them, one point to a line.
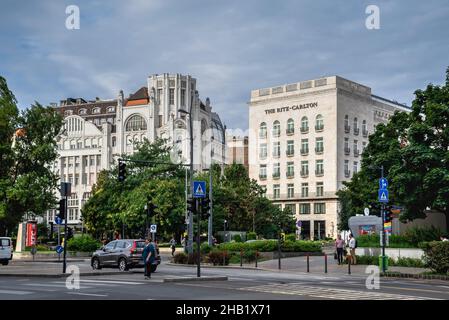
230	46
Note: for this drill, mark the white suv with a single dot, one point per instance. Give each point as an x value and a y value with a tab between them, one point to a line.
5	250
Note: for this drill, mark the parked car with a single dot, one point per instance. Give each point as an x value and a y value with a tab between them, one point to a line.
124	254
5	250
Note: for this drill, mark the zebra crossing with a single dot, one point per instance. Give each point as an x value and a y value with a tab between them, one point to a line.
330	293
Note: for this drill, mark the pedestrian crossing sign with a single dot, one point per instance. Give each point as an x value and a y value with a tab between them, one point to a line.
199	189
383	195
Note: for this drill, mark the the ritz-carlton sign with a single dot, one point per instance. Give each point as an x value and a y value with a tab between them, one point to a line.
293	107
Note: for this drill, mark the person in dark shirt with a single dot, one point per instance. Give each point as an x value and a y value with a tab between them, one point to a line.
148	255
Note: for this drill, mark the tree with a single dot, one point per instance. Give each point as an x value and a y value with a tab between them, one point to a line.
413	149
27	151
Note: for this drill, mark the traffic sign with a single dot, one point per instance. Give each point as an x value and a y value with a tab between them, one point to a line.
383	195
199	189
383	183
58	220
299	224
366	211
59	249
153	228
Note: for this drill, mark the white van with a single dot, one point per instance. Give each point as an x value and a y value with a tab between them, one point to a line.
5	250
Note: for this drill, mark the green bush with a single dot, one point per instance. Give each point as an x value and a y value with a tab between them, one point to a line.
84	243
272	245
205	248
39	247
417	235
251	236
290	237
237	238
180	257
192	258
235	259
250	256
436	256
217	257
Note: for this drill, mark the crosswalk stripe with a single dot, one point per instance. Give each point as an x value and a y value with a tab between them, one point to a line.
88	294
16	292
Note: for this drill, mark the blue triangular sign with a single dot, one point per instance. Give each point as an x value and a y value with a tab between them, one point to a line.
383	196
199	190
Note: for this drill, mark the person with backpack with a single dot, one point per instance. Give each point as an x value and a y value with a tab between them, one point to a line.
352	247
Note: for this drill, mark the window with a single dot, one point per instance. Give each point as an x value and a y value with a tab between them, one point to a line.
276	149
355	167
347	173
290	126
159	123
276	191
68	113
276	170
290	169
364	129
82	112
291	207
347	126
276	129
263	171
111	109
347	150
77	179
319	145
304	190
356	150
114	141
96	110
159	95
304	125
136	123
304	208
290	148
172	96
319	189
319	167
304	168
183	97
290	190
263	151
356	126
305	146
91	160
319	208
263	130
319	125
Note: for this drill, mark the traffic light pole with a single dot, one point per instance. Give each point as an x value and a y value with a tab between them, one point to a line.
383	228
64	264
199	211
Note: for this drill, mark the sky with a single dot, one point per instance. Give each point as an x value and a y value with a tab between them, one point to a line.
230	46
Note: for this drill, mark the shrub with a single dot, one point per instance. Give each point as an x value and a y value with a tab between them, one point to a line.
180	257
217	256
205	248
272	245
251	236
192	258
290	237
237	238
436	256
84	243
250	256
417	235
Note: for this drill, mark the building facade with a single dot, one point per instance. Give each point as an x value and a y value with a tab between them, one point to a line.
306	139
237	150
96	133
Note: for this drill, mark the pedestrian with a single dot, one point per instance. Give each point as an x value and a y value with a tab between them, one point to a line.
148	256
443	238
352	246
339	247
173	246
183	243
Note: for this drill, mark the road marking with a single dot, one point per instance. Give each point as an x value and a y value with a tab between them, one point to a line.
111	282
50	285
16	292
88	294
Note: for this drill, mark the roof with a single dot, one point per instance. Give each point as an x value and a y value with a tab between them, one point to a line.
138	98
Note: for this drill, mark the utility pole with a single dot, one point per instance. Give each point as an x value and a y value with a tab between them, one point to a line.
383	227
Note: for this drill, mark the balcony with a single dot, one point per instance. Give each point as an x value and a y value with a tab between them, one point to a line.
290	174
276	154
276	175
347	128
365	133
319	150
263	156
356	131
356	153
319	128
304	174
263	135
347	151
304	152
262	177
290	132
304	129
319	173
290	153
347	173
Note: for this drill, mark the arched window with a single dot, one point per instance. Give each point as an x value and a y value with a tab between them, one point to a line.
356	126
290	126
111	109
319	123
364	128
276	129
82	111
136	123
304	124
68	113
96	110
263	130
347	127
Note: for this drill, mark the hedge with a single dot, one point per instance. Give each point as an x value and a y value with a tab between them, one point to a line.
84	243
401	262
412	238
272	245
436	256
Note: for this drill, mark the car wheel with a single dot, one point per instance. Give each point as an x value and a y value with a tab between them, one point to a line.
153	267
122	266
96	264
5	263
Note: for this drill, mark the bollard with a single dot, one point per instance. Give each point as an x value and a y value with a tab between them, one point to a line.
241	258
308	263
257	253
325	263
349	266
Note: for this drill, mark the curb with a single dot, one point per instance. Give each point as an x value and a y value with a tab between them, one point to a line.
215	267
414	276
52	261
59	275
225	278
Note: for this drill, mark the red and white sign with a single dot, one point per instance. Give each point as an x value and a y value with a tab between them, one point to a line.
31	239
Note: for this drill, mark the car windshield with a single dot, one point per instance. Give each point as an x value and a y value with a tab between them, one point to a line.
140	244
4	242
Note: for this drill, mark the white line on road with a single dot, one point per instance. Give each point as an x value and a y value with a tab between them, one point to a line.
111	282
15	292
88	294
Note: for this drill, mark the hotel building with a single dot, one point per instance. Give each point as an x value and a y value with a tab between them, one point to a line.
306	139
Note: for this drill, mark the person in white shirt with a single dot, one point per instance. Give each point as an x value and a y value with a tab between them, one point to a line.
352	245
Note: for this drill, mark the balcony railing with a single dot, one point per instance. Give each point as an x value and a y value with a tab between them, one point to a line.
347	173
356	131
290	174
319	150
319	173
262	176
290	153
276	175
290	131
304	129
347	151
347	129
365	133
304	173
356	152
304	152
262	135
276	134
319	128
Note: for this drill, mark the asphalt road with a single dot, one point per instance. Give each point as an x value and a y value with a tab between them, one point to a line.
242	285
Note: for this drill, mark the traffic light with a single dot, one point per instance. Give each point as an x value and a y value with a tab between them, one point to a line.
388	216
282	237
61	213
121	171
205	208
191	205
69	233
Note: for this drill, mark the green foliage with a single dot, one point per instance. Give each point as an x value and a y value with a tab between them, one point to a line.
272	245
205	248
217	257
251	236
400	262
412	148
290	237
180	257
436	256
416	235
237	238
250	255
410	239
84	243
